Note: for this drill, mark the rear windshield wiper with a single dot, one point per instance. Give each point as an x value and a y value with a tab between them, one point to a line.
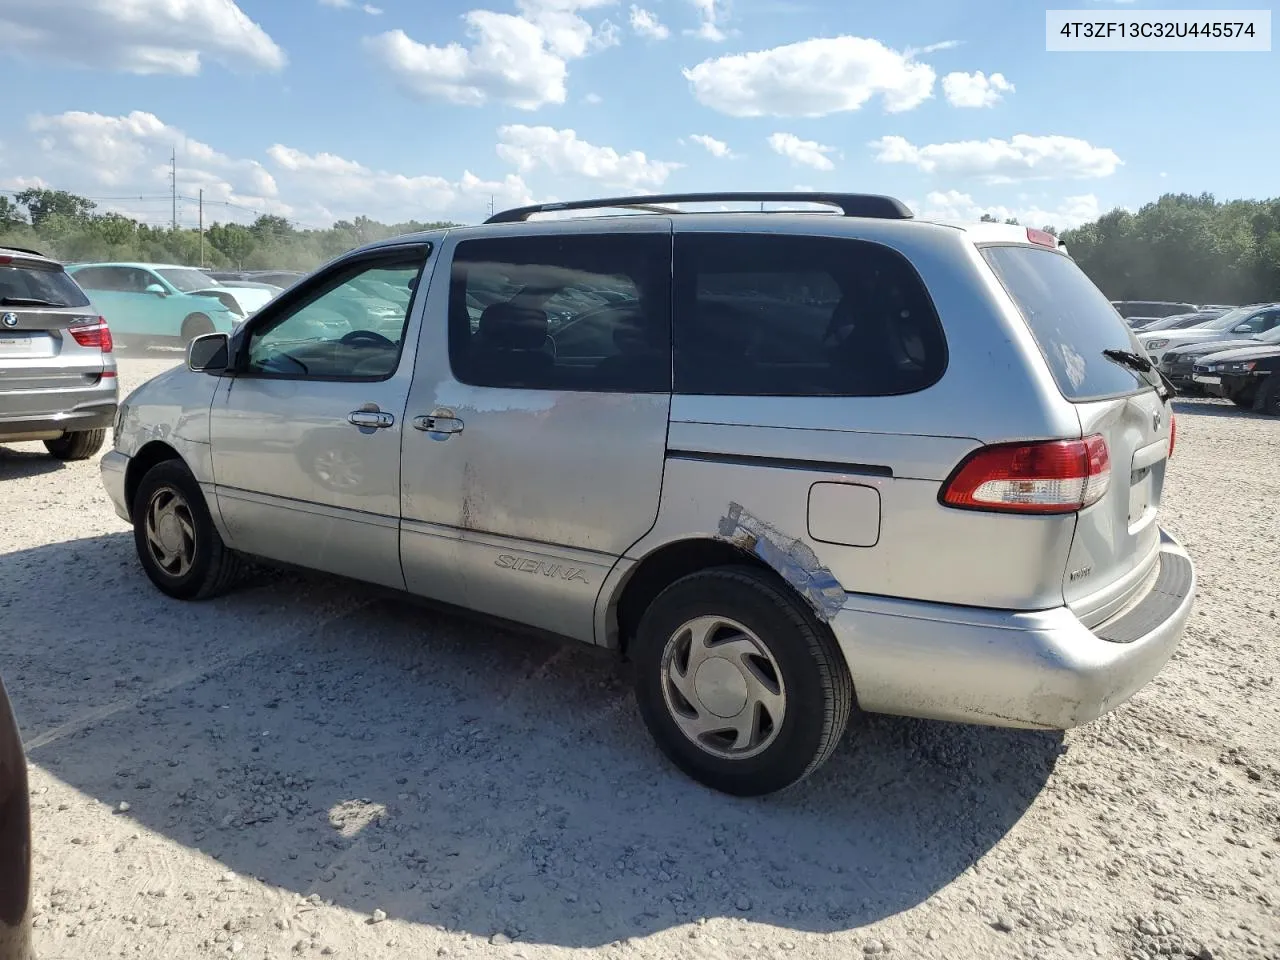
1136	361
1127	358
27	302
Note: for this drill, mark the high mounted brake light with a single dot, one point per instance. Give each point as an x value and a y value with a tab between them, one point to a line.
1045	477
1042	237
92	332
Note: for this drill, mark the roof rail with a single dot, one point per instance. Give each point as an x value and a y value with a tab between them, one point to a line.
34	253
850	204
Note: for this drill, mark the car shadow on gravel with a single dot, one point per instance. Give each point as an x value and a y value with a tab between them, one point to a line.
15	464
1212	408
335	742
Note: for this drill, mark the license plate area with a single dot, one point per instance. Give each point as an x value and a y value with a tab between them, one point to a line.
14	345
1140	481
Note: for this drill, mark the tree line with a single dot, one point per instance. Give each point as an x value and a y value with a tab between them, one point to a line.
1181	247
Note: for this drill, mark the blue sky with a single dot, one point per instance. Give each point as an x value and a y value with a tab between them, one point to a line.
319	109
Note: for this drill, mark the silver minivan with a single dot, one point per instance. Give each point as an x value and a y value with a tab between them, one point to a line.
784	462
57	366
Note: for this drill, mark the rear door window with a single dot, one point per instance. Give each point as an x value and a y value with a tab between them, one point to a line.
33	286
1071	320
779	315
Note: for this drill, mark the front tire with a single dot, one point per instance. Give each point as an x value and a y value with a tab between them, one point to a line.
1268	398
176	541
1242	398
740	684
196	325
78	445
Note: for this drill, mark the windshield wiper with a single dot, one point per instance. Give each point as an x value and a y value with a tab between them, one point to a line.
1127	358
27	302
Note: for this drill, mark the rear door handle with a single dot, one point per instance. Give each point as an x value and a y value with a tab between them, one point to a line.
435	424
371	418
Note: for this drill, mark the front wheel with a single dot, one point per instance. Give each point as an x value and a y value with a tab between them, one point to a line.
738	682
1242	398
1268	398
175	538
78	445
196	325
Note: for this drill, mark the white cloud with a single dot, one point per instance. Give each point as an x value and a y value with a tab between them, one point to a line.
955	205
709	28
371	10
138	36
1022	157
811	78
647	24
593	99
975	89
562	153
128	156
519	60
717	148
351	5
805	153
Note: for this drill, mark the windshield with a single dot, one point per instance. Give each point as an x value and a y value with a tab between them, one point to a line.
1229	319
1268	336
42	286
188	280
1072	322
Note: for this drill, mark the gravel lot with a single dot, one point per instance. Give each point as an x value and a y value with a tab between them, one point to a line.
307	768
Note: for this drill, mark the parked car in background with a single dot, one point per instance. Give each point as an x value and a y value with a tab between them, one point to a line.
1180	321
252	294
15	840
155	301
1177	363
280	278
1151	308
57	367
1239	324
1247	376
812	491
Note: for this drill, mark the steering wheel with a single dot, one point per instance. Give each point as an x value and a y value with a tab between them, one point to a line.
367	336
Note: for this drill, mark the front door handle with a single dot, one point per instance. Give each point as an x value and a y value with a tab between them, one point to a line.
437	424
371	418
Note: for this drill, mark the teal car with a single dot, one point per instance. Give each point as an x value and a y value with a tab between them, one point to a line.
158	301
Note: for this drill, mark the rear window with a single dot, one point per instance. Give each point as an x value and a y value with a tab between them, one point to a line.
1072	322
30	286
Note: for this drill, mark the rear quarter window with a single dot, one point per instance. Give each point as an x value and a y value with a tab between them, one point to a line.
1071	320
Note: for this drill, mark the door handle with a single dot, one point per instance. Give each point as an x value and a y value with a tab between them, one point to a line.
436	424
371	418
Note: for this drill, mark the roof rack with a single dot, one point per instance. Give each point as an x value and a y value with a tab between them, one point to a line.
34	253
850	204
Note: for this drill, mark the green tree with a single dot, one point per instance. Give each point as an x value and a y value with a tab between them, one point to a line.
42	204
11	215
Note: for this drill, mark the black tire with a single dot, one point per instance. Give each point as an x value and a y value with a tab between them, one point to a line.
1267	399
213	567
78	445
813	676
196	325
1243	398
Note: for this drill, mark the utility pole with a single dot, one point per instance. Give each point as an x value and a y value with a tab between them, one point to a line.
173	185
202	228
491	204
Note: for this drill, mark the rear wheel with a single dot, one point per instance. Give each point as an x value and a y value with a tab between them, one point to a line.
738	682
79	445
175	538
1268	399
196	325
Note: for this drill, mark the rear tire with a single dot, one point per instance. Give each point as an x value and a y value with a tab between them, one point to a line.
78	445
1267	399
740	684
177	544
196	325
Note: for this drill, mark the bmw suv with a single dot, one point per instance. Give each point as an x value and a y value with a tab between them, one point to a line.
57	368
785	462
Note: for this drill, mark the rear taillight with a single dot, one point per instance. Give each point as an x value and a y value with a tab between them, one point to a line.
1053	476
92	333
1173	434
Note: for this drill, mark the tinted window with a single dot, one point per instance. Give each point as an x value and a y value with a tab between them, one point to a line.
586	313
187	280
40	285
1071	320
774	315
348	326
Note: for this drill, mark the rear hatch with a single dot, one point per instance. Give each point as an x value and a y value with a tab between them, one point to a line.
1097	362
51	338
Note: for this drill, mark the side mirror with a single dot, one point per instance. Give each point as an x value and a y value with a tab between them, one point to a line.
157	290
209	353
1243	328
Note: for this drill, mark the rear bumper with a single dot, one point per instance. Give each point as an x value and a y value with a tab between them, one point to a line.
114	465
1042	669
97	413
1209	383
